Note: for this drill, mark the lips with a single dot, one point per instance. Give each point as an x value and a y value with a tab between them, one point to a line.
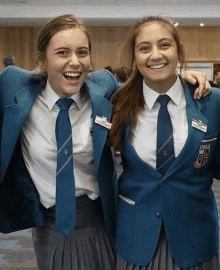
72	75
158	66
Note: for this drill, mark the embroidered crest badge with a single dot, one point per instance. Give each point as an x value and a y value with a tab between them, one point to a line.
203	156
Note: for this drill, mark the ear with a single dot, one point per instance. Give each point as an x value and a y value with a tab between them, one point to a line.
43	65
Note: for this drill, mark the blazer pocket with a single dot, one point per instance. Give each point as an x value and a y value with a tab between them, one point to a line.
209	141
125	221
203	225
126	199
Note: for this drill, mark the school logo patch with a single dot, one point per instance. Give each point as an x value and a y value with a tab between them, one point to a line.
203	156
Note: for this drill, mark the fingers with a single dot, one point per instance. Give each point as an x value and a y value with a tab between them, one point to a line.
207	89
203	90
204	87
190	77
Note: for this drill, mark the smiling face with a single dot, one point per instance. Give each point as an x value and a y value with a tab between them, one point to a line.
156	56
67	61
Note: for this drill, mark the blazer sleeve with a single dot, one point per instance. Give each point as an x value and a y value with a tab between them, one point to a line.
104	79
216	160
215	121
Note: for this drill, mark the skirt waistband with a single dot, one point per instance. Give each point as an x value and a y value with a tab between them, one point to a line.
88	212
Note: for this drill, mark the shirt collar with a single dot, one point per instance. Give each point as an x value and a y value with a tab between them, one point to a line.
175	93
51	97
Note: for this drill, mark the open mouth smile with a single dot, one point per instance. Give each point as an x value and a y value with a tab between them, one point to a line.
157	66
72	75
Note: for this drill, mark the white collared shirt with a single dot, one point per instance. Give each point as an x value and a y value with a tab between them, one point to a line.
39	147
144	140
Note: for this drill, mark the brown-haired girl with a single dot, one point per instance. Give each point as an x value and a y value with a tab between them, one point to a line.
167	217
56	170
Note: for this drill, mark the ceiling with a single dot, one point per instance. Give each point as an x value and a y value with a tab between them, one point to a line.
109	12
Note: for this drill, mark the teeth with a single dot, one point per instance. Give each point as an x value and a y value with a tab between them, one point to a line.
71	74
157	66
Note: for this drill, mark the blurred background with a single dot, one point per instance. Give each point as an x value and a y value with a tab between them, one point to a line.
198	22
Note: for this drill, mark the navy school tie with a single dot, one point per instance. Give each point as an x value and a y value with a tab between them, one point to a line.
165	146
65	184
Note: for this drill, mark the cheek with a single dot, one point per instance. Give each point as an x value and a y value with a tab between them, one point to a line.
175	61
175	56
140	61
88	64
54	68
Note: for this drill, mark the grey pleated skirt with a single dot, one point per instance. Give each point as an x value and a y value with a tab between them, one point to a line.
88	247
163	260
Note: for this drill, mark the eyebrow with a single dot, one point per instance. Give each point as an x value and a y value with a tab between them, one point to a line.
67	48
162	39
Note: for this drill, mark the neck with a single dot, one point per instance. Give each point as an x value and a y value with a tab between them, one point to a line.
160	86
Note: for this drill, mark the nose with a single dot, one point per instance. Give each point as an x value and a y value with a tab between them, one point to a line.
155	54
74	61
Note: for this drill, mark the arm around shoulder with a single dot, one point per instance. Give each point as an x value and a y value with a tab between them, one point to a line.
104	79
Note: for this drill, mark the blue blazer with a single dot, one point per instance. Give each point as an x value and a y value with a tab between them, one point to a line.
20	207
183	198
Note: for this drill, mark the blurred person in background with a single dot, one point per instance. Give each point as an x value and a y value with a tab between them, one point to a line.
216	79
122	74
8	60
109	68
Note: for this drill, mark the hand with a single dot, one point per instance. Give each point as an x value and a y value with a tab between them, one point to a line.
204	88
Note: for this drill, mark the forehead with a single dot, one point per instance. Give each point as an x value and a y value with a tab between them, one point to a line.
153	31
69	37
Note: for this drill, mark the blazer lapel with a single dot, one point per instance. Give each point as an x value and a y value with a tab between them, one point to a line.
100	107
14	117
195	136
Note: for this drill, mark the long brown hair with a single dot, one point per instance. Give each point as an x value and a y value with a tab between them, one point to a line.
128	102
60	23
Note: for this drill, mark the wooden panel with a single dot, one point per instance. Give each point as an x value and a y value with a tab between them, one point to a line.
21	42
202	44
107	43
3	44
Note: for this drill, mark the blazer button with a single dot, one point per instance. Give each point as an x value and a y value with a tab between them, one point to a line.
158	215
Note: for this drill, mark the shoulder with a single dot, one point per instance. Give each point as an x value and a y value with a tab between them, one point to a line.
14	80
17	71
13	75
104	79
212	98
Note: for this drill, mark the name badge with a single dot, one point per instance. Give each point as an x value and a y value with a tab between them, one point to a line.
199	125
103	121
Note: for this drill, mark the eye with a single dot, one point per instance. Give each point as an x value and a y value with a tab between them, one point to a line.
62	52
165	45
83	52
144	48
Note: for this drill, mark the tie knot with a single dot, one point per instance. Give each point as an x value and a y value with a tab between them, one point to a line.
163	100
64	103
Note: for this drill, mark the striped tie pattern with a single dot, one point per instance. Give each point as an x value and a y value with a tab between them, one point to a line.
65	184
165	146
